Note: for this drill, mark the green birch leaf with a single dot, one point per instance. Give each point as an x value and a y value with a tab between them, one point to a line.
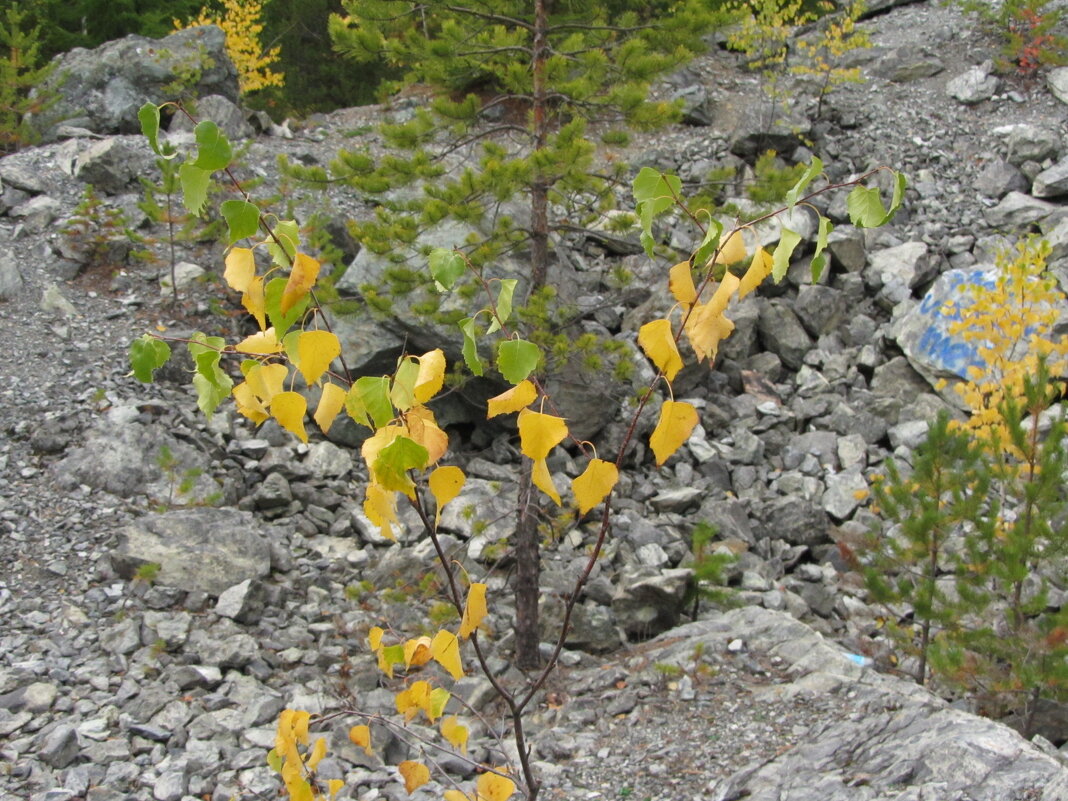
504	304
900	184
516	359
650	183
396	459
272	294
470	349
148	114
288	233
708	244
146	355
213	148
446	266
865	207
242	218
194	187
780	260
373	394
818	259
211	393
814	169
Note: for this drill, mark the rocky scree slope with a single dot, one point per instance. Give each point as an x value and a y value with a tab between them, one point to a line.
113	688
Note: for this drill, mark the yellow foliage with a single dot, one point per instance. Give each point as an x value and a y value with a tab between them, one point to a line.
240	21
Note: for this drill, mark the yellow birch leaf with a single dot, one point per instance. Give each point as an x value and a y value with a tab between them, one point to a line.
374	637
680	282
361	736
413	699
288	408
706	330
759	269
445	484
317	754
456	795
248	404
316	349
474	609
677	421
543	480
491	787
300	720
299	790
658	341
301	279
240	268
415	774
416	651
539	433
267	380
255	301
455	732
446	650
436	703
333	786
721	297
261	343
423	429
380	506
593	486
331	401
431	375
518	397
732	250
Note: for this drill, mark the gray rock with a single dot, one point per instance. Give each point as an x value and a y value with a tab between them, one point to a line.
897	379
1057	81
906	64
201	549
782	333
1052	182
646	605
242	602
820	308
185	273
909	434
273	493
102	89
895	271
123	637
845	492
697	108
846	245
222	111
37	213
676	499
35	698
114	164
1026	142
974	85
1017	210
327	460
10	276
998	178
795	520
59	747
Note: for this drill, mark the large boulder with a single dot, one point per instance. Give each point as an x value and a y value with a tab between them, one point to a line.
102	89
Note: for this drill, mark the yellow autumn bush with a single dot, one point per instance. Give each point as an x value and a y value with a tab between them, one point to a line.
240	20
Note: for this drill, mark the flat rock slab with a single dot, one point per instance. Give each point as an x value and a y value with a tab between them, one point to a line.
205	550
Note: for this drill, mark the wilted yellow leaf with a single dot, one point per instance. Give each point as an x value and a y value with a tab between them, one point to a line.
415	774
316	349
491	787
317	754
423	428
240	268
680	282
380	506
593	486
330	402
431	375
759	269
413	699
658	341
333	786
543	480
540	433
361	736
262	343
518	397
248	404
455	732
301	279
706	330
721	297
474	609
446	651
445	484
288	409
416	651
677	421
255	301
732	249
